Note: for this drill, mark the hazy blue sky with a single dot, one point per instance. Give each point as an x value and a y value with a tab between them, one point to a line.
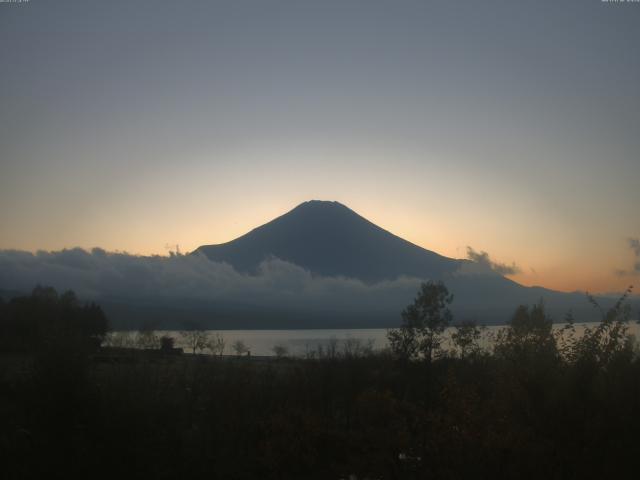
509	126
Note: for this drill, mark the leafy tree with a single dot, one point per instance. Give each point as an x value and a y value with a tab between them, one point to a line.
609	339
69	299
46	320
528	336
44	294
167	343
403	341
424	321
465	337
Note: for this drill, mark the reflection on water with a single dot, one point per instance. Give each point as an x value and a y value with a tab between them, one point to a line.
303	342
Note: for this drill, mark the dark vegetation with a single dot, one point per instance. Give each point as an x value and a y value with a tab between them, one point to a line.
46	321
536	404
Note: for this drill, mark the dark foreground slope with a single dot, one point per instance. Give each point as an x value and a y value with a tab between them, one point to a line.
529	405
525	411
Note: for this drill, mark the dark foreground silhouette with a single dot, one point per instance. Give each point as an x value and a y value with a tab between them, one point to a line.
533	406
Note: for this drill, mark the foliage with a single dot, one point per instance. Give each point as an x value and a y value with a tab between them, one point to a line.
466	338
601	345
529	336
167	343
423	323
46	320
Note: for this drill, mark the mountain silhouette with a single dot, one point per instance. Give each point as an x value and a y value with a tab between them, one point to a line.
321	265
329	239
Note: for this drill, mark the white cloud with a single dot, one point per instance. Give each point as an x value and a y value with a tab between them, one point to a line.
99	274
482	264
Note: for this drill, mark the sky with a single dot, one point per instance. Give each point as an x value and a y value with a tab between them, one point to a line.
509	127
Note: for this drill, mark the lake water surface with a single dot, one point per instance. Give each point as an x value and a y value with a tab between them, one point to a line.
304	342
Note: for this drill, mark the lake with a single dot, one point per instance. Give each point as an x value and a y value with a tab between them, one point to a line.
303	342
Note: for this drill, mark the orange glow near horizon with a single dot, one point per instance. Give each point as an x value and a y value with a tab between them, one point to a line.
543	264
431	124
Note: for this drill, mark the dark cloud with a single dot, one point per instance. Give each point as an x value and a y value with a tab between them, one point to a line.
482	258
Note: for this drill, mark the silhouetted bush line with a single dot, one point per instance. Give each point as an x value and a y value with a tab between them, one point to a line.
45	320
536	405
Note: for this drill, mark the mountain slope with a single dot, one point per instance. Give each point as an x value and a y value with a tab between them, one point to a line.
329	239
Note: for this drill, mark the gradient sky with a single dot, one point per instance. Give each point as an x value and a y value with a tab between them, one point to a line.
512	127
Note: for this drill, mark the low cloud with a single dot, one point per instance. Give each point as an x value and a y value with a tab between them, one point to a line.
99	274
482	260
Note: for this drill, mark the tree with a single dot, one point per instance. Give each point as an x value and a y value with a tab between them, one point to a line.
120	340
44	294
167	343
466	337
146	337
528	336
216	344
423	323
609	339
354	347
239	347
196	340
69	299
91	320
45	320
280	351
